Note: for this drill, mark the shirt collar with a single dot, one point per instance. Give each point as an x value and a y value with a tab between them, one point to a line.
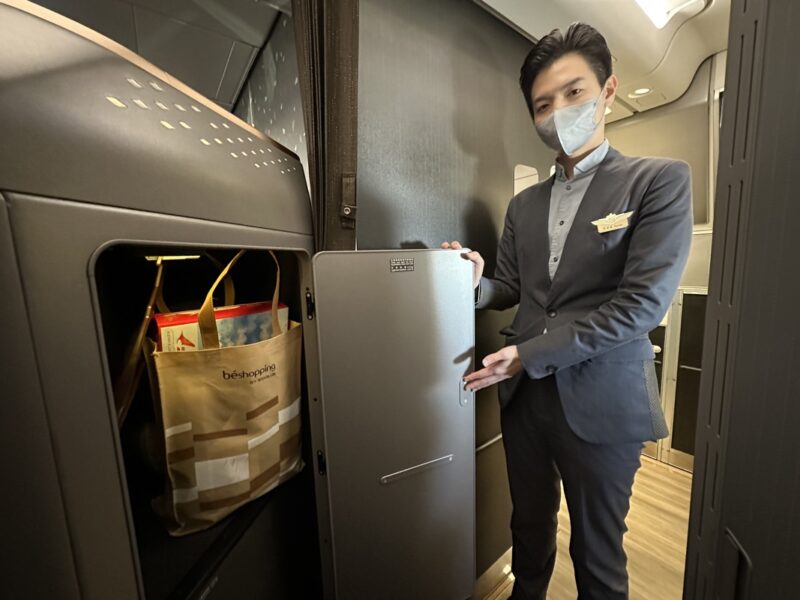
588	164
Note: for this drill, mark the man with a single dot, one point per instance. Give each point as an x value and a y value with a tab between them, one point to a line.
593	257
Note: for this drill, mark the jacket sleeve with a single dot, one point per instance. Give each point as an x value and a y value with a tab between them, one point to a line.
502	291
657	254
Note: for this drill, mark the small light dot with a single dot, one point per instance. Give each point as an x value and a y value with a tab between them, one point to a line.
195	109
244	153
265	163
253	152
116	102
180	108
273	162
214	126
234	155
269	149
167	125
258	166
219	141
230	141
156	87
134	83
241	141
184	125
205	142
226	126
261	150
282	172
162	106
249	139
141	104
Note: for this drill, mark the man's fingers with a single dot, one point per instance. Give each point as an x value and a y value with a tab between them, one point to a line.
491	359
489	371
455	245
485	382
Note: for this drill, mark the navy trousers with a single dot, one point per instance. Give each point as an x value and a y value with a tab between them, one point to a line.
542	451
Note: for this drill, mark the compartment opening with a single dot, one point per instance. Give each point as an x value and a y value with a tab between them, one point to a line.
273	538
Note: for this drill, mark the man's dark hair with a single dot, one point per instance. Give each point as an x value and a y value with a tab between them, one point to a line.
582	39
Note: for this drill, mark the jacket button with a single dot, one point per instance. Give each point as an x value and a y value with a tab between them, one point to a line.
552	314
550	370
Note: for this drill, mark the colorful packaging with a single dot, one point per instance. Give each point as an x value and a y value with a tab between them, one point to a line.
237	326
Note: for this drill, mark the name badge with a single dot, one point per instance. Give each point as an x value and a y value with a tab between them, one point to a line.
612	222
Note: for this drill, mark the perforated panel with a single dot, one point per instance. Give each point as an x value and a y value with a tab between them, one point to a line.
733	207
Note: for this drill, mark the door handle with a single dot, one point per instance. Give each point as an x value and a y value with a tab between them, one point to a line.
392	477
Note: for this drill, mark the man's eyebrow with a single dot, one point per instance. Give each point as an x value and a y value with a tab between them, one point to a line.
569	84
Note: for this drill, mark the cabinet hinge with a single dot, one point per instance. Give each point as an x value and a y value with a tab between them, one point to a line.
310	307
348	207
322	467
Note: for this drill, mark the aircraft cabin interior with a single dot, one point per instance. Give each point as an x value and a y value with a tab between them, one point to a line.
236	348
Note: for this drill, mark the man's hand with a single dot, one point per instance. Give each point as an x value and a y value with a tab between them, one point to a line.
474	257
501	365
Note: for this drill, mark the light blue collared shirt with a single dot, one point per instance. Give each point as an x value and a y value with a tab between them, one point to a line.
566	197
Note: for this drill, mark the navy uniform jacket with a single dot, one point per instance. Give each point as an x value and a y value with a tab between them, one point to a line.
611	289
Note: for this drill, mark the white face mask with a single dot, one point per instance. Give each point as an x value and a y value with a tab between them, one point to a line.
569	128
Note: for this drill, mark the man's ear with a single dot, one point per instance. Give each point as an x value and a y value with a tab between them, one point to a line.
611	90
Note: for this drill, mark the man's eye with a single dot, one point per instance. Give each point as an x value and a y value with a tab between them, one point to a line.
575	92
542	108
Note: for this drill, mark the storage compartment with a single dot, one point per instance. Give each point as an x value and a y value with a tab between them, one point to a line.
279	529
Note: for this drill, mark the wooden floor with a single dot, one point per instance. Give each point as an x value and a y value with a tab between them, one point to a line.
655	542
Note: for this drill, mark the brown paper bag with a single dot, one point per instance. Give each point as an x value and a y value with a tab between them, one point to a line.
231	420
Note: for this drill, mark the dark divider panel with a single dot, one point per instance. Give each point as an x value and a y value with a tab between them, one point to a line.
441	125
743	526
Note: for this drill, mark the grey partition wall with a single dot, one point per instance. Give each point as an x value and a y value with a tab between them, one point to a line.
743	527
441	126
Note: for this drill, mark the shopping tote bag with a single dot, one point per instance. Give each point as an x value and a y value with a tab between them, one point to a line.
230	417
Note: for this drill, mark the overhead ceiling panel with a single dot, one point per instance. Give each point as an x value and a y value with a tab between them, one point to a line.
664	60
200	55
112	18
248	21
208	44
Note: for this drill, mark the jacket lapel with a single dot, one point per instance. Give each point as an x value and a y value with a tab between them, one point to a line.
601	198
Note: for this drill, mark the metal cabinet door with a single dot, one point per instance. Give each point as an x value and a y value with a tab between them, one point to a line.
396	335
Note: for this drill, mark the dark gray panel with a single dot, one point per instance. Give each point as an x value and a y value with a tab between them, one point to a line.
239	61
399	428
61	305
34	525
180	49
63	138
757	551
441	125
493	505
246	20
743	405
112	18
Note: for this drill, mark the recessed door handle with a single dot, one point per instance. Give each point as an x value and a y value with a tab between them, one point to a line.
392	477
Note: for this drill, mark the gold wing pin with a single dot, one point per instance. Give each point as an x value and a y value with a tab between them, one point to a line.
612	222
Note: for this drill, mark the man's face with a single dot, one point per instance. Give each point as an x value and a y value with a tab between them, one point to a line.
569	81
